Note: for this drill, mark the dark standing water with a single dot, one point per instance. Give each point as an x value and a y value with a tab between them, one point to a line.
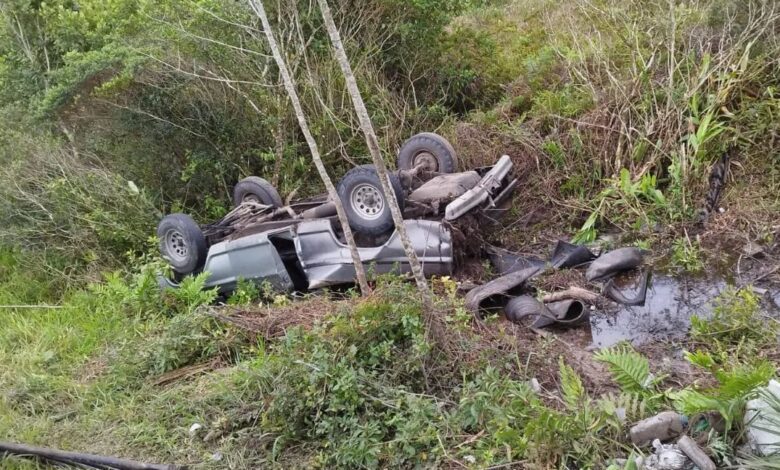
666	313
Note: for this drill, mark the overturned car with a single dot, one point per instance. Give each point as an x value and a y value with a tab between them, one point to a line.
298	246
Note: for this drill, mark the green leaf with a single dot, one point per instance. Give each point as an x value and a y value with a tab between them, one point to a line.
630	369
572	390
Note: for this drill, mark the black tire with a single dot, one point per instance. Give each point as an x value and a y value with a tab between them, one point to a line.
430	149
257	189
182	243
364	201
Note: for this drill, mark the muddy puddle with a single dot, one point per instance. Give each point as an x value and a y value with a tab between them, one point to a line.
666	314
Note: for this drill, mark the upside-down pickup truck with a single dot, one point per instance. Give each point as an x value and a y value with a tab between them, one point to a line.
300	246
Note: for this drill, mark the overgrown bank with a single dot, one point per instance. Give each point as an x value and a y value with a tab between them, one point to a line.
121	370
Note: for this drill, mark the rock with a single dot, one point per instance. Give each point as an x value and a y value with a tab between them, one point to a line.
762	421
662	426
535	386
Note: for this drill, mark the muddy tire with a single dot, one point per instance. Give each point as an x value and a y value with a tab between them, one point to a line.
254	188
182	243
428	149
365	203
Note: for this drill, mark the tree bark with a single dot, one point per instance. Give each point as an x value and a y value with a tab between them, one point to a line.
376	156
360	273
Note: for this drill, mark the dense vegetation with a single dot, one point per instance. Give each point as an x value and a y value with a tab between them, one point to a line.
615	113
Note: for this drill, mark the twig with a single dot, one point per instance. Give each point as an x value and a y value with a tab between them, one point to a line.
573	293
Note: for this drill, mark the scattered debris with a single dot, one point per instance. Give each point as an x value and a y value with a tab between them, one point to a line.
611	291
662	426
567	255
667	457
569	312
762	420
505	261
614	262
527	309
695	453
476	298
195	428
535	385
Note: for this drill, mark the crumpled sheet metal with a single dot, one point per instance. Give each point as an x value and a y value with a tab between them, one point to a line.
480	193
614	262
503	285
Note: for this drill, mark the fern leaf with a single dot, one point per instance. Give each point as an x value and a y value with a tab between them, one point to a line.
629	369
571	385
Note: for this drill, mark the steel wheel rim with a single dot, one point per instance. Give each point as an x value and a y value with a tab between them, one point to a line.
427	159
176	246
367	201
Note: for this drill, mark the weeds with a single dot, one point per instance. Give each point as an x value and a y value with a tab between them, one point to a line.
687	255
737	329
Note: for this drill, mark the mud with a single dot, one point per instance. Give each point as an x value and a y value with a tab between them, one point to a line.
666	314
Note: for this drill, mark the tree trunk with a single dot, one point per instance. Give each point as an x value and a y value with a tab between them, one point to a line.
376	156
360	273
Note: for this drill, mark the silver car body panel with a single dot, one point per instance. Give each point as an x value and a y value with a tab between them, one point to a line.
253	258
476	196
324	260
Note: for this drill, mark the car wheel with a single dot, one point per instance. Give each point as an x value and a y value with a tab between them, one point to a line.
182	243
364	201
431	150
256	189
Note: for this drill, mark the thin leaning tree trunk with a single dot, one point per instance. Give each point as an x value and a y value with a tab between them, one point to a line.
360	273
376	156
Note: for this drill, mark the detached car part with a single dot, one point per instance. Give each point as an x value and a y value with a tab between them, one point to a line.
481	193
568	255
477	298
614	262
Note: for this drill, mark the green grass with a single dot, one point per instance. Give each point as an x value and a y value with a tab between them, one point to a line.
353	391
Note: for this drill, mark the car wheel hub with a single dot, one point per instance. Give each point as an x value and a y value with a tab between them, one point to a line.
427	160
367	201
175	245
